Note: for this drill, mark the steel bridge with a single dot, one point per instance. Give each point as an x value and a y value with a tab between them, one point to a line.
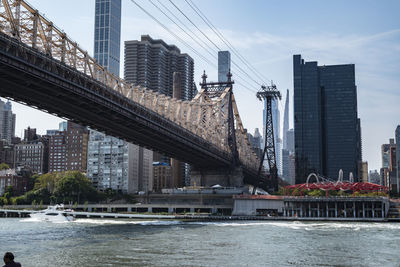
42	67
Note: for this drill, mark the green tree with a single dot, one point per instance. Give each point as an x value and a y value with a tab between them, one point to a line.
32	181
332	193
3	201
37	196
4	166
10	191
47	181
42	195
316	193
297	192
7	196
74	186
110	193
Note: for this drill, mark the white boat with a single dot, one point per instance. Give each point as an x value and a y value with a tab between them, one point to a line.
55	213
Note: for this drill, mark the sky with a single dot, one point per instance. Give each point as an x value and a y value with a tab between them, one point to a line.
267	33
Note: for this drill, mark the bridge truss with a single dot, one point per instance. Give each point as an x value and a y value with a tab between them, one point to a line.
212	117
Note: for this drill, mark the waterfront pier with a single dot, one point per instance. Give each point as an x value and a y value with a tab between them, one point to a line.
336	207
313	208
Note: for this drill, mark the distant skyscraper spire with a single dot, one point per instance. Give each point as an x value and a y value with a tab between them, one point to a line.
286	120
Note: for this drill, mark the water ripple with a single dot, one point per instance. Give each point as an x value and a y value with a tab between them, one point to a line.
107	242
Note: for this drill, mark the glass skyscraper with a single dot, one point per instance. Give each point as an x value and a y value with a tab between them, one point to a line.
224	65
326	125
107	33
151	63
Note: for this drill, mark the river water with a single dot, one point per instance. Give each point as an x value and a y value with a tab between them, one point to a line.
105	242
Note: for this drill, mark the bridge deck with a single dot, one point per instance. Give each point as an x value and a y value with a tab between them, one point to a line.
40	81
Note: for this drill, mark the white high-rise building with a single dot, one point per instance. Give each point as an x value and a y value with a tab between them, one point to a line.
119	165
7	122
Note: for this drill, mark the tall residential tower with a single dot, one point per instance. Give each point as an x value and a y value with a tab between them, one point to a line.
162	68
151	63
7	122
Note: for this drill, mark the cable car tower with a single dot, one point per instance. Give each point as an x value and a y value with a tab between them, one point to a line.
269	93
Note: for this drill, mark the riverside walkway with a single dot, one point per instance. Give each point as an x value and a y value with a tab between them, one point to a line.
80	214
194	217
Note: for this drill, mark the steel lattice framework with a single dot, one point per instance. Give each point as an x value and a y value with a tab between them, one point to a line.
205	116
324	184
343	186
268	93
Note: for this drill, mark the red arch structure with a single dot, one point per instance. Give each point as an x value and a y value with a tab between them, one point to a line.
343	186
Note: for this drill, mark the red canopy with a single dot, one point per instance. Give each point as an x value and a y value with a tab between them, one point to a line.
345	186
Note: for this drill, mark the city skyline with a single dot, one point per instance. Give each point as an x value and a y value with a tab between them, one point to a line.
168	110
352	39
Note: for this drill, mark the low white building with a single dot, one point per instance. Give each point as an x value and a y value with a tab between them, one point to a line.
258	205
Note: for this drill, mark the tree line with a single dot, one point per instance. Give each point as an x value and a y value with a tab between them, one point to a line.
65	187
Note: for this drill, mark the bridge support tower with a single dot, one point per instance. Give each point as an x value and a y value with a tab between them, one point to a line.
268	94
228	177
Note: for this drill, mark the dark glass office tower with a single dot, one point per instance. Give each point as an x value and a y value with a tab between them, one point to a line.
327	129
107	32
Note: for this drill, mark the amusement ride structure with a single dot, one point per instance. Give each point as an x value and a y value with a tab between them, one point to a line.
327	185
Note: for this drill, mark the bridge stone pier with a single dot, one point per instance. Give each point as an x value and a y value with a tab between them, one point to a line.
224	177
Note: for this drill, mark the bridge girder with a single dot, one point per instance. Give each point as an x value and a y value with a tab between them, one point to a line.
42	67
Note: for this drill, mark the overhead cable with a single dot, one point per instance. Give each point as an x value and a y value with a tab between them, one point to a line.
226	41
173	34
216	46
184	42
173	21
